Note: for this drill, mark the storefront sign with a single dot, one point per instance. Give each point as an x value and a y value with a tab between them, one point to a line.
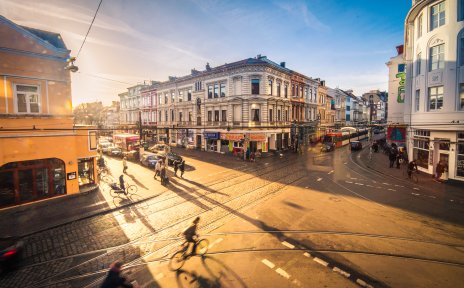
232	137
211	135
71	176
261	137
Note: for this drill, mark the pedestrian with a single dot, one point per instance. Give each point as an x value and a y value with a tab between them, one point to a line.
392	156
124	164
121	183
182	168
114	279
176	167
163	174
439	169
158	168
252	157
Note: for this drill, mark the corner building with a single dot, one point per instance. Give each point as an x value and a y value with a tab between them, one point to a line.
434	102
42	153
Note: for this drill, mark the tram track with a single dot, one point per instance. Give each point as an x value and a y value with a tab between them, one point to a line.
214	206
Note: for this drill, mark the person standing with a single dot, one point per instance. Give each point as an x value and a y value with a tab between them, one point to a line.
176	167
158	168
182	168
163	174
439	169
124	164
393	155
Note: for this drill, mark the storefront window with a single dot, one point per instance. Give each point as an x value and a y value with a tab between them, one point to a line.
31	180
460	155
421	152
85	170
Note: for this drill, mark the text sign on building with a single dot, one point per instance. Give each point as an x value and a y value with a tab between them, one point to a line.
211	135
71	175
232	137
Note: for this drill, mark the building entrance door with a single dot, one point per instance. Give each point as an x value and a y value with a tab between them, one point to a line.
198	141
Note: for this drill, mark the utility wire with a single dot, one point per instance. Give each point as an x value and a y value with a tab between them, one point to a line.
90	27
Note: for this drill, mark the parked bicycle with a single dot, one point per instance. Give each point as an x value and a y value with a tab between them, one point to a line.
178	259
116	190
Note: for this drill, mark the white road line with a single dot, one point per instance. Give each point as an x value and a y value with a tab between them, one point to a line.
362	283
391	189
338	270
432	197
385	183
359	184
159	276
217	241
320	261
368	185
353	178
349	182
451	200
307	254
268	263
285	243
415	194
319	179
282	273
345	163
331	172
415	188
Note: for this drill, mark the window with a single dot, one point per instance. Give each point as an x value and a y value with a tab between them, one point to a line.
270	87
461	50
306	93
223	90
181	96
460	10
278	89
271	115
216	115
419	26
172	115
461	96
210	91
224	115
210	116
159	116
437	15
286	90
418	64
92	140
198	86
180	116
173	95
255	86
435	98
255	115
27	99
286	115
460	155
166	98
189	95
421	152
166	116
417	100
216	90
301	91
279	117
437	57
190	116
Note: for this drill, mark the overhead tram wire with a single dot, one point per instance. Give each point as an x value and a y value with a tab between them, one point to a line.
90	27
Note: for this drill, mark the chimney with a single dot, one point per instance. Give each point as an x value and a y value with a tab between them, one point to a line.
172	78
282	64
399	49
258	56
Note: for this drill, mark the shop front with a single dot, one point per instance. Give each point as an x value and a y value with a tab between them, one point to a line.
86	171
233	142
258	142
32	180
213	142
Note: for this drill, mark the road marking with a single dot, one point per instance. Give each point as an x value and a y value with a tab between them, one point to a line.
338	270
368	185
306	187
345	163
415	188
217	241
268	263
285	243
378	187
415	194
331	172
362	283
319	179
159	276
391	189
353	178
432	197
282	273
451	200
349	182
396	185
385	183
359	184
320	261
307	254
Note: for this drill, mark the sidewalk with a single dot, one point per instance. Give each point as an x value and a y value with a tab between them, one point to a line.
380	164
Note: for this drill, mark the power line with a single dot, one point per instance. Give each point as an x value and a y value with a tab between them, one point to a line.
90	27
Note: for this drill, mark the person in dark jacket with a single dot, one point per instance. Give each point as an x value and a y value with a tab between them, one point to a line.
176	167
439	169
163	175
182	168
114	279
393	155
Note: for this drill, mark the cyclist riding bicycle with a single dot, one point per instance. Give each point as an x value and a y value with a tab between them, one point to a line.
121	183
190	234
412	166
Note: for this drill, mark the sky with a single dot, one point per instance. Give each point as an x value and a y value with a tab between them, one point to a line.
344	42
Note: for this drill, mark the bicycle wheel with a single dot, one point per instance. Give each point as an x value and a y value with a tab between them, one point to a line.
102	173
177	261
202	247
114	193
131	190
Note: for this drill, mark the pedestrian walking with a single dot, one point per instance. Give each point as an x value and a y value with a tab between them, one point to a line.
176	167
124	164
439	169
182	168
393	154
163	175
114	279
158	168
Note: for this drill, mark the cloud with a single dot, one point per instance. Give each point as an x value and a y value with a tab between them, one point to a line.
300	10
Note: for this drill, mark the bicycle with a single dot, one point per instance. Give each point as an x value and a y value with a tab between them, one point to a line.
116	190
178	259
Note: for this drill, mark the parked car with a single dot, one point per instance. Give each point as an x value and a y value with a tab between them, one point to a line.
105	146
115	152
150	159
131	155
327	147
157	148
10	253
171	156
355	145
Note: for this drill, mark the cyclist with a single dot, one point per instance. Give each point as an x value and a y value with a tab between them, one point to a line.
412	166
114	278
121	183
190	234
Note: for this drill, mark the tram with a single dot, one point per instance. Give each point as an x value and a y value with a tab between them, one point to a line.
345	135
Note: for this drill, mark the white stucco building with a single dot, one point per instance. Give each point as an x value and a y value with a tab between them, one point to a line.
434	102
396	91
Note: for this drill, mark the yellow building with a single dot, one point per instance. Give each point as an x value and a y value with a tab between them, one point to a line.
42	153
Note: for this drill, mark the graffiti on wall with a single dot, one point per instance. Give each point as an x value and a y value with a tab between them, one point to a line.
402	76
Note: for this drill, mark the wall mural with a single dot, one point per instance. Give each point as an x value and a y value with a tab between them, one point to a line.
402	75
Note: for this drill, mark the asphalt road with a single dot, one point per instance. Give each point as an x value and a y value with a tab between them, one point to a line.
307	220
